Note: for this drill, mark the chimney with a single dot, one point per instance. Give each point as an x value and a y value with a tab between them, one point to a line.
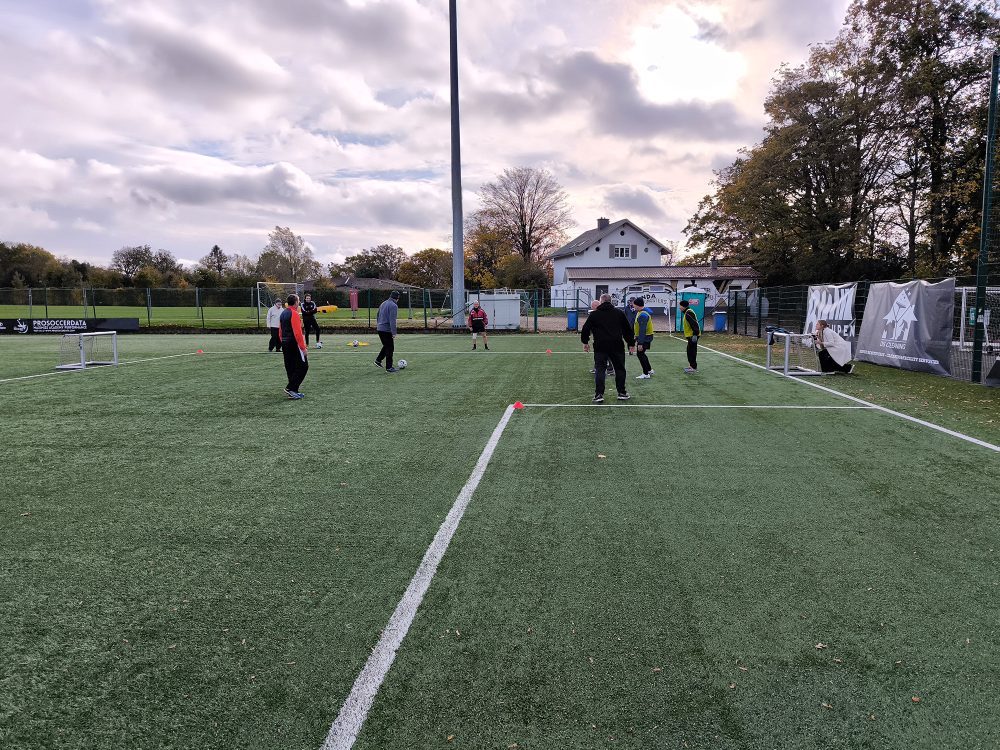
715	264
603	223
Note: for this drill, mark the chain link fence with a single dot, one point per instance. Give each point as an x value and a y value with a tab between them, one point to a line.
226	308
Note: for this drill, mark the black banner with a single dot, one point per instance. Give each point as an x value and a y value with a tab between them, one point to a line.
67	325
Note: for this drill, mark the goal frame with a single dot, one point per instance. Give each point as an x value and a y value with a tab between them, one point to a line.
84	363
783	362
269	288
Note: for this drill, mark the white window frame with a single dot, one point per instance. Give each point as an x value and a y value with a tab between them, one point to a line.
622	252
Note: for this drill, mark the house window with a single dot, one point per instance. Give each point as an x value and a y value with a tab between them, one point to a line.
623	252
656	287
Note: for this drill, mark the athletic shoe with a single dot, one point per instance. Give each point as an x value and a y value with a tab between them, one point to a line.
651	372
599	398
289	392
850	369
690	370
642	377
486	347
377	363
593	372
292	395
391	369
624	396
319	345
297	396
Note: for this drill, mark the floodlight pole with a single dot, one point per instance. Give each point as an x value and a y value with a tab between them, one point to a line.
457	242
987	227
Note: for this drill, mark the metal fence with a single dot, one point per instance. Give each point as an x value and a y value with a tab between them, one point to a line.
225	308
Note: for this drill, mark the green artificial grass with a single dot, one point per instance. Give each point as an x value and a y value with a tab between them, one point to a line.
190	560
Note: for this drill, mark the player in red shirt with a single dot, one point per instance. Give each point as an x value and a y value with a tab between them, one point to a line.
477	324
293	347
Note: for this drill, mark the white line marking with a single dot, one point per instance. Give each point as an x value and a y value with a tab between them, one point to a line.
414	353
706	406
100	367
344	731
907	417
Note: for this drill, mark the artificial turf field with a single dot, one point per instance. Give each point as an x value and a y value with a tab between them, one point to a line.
189	560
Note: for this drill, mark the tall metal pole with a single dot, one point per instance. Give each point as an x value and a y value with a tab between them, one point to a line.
457	241
986	227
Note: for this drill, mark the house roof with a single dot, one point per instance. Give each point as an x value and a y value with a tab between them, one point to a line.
662	273
594	236
356	282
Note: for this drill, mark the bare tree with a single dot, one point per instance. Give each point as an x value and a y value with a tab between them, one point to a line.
529	206
128	260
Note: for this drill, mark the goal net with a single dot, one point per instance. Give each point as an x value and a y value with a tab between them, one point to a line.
270	291
792	353
78	351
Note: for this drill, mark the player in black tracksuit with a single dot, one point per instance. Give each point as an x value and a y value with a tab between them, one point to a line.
610	328
308	310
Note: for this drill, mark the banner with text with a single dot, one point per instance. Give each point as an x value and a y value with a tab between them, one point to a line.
833	303
909	326
67	325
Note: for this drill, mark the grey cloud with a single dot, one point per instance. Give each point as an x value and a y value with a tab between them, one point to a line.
795	22
187	66
630	201
279	184
618	108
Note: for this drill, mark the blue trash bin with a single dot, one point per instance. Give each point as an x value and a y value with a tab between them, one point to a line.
571	320
719	318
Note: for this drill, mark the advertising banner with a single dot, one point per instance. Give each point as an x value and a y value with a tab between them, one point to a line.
909	326
833	303
67	325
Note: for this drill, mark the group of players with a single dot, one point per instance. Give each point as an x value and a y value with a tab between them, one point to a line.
290	324
613	329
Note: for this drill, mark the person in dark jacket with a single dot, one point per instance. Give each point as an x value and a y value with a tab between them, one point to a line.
293	347
385	327
308	310
609	327
642	326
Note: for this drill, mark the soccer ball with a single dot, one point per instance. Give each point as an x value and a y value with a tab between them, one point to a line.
402	364
355	343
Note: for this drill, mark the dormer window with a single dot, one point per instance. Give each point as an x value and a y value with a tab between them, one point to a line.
622	252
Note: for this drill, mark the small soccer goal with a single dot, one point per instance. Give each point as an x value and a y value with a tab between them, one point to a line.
270	291
792	353
78	351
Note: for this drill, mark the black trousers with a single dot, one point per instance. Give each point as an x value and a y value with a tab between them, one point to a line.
296	366
828	364
643	359
274	345
692	352
309	324
388	347
602	362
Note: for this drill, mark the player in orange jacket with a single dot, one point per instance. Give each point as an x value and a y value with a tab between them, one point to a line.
296	361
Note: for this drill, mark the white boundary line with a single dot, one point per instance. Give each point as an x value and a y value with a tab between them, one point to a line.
417	352
907	417
344	731
122	363
705	406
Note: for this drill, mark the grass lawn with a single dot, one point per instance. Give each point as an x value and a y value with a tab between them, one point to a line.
728	560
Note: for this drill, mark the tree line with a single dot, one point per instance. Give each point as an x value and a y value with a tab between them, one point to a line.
508	241
872	160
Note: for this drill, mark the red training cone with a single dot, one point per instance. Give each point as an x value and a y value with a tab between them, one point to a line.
518	405
200	351
548	351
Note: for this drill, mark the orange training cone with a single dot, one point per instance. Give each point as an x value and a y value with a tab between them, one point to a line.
518	405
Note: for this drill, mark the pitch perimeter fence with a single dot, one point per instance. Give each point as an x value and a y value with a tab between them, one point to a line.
238	308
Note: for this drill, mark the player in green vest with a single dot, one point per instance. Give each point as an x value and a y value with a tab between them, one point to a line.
691	332
642	326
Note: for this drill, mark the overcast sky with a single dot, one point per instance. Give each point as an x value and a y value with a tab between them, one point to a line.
187	123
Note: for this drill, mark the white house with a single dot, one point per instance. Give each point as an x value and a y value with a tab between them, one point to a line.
621	258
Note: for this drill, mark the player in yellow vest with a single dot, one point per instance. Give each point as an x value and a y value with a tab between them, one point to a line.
692	331
642	326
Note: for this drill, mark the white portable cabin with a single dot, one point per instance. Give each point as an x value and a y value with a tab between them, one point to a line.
502	308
